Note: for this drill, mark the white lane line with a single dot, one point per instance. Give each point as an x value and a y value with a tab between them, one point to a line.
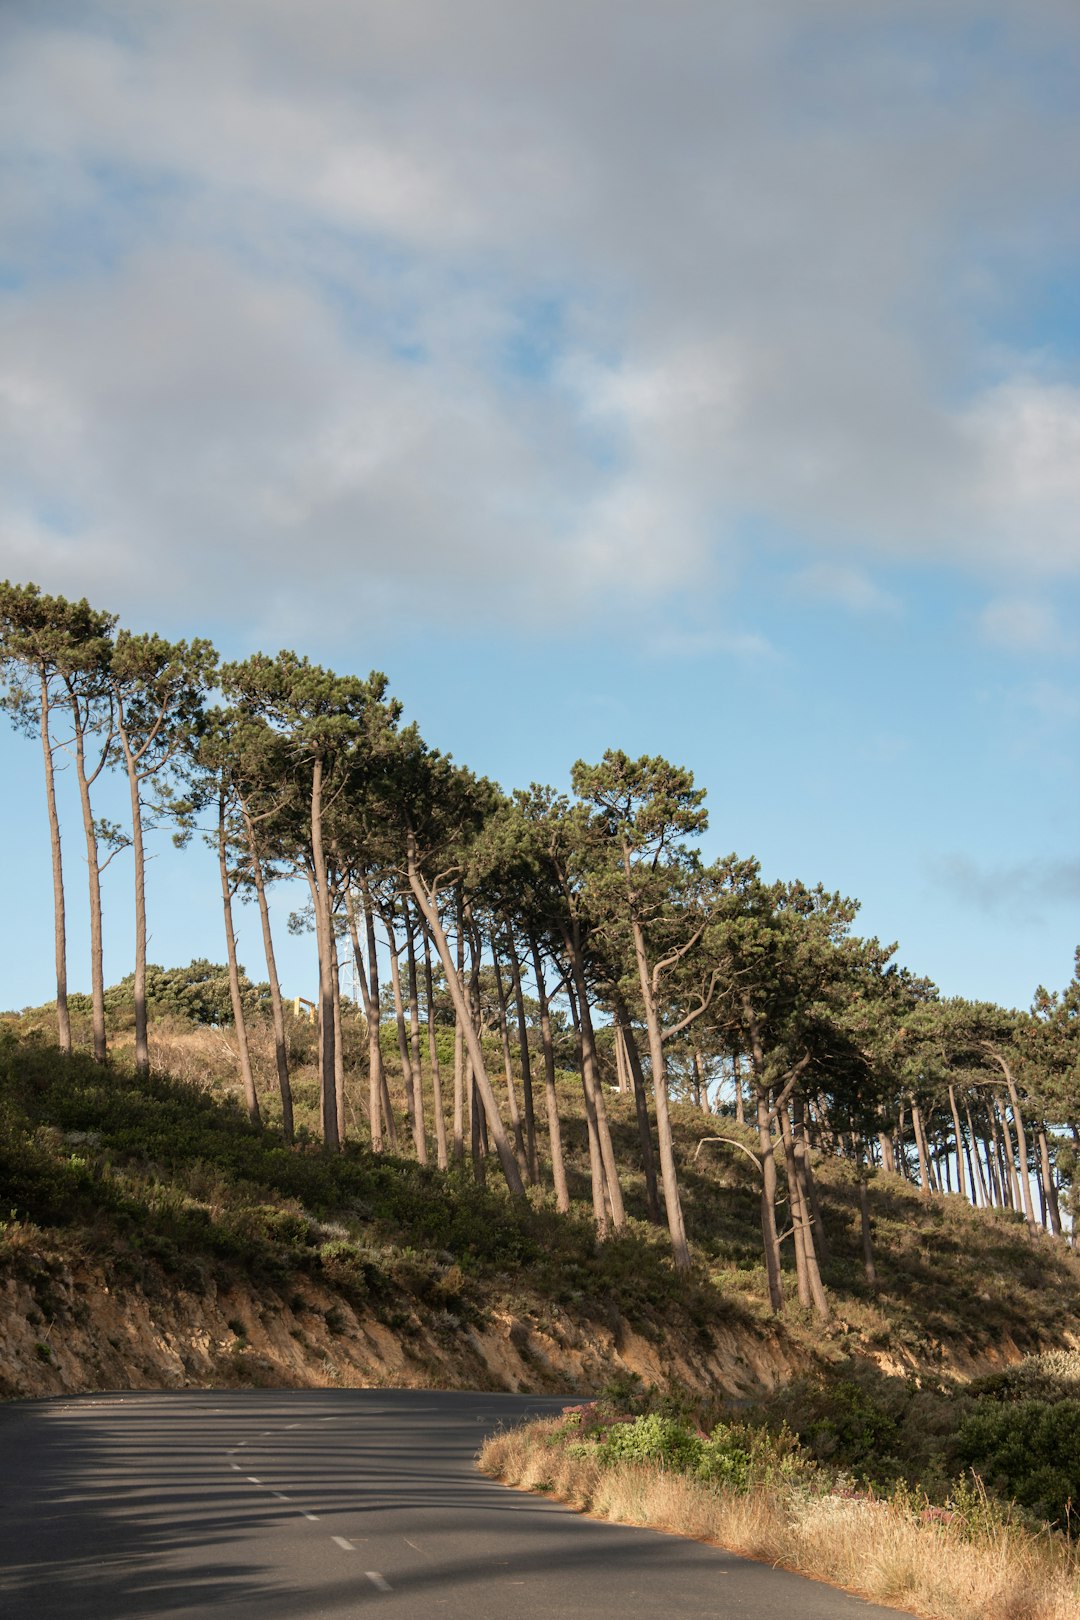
314	1517
252	1480
236	1468
346	1546
280	1497
378	1580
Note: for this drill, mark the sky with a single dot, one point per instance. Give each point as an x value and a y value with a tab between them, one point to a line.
693	379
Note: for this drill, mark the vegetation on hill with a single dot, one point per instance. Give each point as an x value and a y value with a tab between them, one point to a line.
515	924
168	1177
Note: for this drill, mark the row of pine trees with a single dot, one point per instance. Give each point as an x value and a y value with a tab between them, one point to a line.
594	907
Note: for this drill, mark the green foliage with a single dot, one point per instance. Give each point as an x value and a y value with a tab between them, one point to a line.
850	1425
198	993
1028	1451
732	1457
652	1438
1052	1376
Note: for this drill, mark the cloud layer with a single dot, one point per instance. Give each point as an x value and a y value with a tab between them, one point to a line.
537	308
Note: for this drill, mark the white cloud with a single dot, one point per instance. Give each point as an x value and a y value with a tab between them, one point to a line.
1024	624
1023	890
847	587
1027	439
273	267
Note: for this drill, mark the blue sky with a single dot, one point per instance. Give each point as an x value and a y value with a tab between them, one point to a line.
693	380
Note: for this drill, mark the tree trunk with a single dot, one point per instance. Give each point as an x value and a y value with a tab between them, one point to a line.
700	1093
339	1045
767	1109
142	1049
526	1063
1015	1197
558	1167
591	1073
596	1158
321	898
921	1149
430	913
769	1236
622	1070
433	1058
508	1067
808	1180
959	1136
281	1051
476	1136
375	1057
799	1223
864	1220
736	1073
624	1036
375	1106
478	1144
1049	1190
63	1017
93	867
812	1230
1021	1144
250	1096
975	1169
417	1134
459	1050
668	1172
414	1038
901	1146
802	1211
995	1160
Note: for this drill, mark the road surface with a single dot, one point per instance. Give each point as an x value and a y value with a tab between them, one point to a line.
321	1504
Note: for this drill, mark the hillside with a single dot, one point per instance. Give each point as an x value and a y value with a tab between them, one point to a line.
153	1237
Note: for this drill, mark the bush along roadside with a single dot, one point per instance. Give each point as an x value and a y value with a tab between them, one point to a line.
961	1554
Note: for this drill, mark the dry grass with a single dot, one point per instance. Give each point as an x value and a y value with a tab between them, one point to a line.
879	1550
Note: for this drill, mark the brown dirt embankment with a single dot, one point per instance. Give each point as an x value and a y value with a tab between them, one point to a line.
68	1325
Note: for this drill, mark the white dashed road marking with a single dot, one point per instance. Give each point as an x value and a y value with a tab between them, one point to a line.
378	1580
346	1546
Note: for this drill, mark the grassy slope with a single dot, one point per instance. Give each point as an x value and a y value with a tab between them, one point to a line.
170	1184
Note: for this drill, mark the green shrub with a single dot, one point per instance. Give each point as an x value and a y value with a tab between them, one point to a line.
725	1459
1052	1376
663	1441
1029	1451
842	1421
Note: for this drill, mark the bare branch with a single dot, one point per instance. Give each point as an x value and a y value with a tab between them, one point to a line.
676	956
732	1141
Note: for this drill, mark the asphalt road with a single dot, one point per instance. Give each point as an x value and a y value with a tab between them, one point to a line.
321	1504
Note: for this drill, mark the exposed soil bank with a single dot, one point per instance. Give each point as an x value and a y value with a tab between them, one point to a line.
67	1326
